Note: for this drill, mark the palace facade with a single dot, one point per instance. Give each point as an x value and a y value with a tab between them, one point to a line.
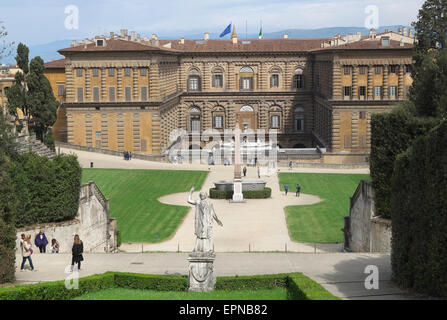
121	92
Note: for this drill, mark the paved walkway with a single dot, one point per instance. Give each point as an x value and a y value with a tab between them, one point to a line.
340	273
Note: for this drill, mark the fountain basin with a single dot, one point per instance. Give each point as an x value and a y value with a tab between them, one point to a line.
247	185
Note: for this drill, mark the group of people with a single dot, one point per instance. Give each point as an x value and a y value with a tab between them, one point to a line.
41	242
244	171
127	155
298	189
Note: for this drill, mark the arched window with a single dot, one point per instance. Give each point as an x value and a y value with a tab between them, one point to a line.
247	109
246	78
194	82
298	120
194	119
218	117
298	79
275	114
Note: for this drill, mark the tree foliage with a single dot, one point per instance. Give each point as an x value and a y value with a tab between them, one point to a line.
4	46
419	215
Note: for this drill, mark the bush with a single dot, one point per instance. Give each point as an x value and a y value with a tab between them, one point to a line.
391	134
48	189
49	140
419	215
298	286
251	194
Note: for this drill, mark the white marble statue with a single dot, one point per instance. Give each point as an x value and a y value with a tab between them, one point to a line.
203	222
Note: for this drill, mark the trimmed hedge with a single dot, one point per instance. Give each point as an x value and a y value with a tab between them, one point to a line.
391	134
48	189
249	194
419	215
298	286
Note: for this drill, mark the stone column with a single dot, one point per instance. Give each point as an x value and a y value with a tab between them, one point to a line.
119	84
135	89
370	82
120	132
355	131
337	88
355	94
400	89
70	90
103	85
136	132
237	182
87	84
386	95
104	131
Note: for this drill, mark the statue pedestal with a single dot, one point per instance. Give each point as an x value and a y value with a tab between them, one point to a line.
201	275
237	193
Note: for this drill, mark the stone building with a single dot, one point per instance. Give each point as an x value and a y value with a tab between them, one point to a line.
122	92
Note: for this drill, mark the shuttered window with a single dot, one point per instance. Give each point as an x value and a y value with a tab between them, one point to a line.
95	72
80	94
96	94
60	90
143	93
111	72
112	94
347	140
246	83
127	72
143	72
128	93
274	81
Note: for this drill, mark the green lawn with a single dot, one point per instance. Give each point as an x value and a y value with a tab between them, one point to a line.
320	223
133	198
133	294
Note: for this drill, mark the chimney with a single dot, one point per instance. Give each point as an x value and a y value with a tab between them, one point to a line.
73	43
399	31
401	43
410	33
146	38
405	32
182	40
206	36
387	30
286	36
154	36
372	33
53	59
132	36
123	33
234	36
138	38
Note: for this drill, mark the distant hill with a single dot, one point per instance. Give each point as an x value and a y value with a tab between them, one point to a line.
48	51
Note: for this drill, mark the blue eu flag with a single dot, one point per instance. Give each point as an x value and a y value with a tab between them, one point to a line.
226	31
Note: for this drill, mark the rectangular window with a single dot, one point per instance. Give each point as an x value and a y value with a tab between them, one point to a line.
143	72
143	93
298	82
362	91
347	141
78	72
218	81
128	93
347	70
60	90
218	122
275	121
111	94
362	70
98	134
378	91
80	94
194	83
96	94
195	124
378	70
299	123
408	68
127	72
246	83
274	81
362	115
394	69
111	72
347	91
393	90
95	72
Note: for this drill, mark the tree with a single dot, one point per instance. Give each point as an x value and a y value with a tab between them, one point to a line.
4	45
32	94
428	92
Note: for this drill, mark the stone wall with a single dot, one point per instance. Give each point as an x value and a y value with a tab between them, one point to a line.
364	231
93	225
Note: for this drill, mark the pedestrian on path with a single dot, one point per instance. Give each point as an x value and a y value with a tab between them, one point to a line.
41	241
27	251
298	190
259	172
54	246
77	250
244	171
290	165
286	188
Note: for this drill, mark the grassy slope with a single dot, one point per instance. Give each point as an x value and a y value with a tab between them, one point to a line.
133	198
320	222
133	294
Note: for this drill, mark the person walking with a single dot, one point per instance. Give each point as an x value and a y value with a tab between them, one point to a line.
259	172
298	190
77	250
130	155
290	165
27	251
54	246
41	241
286	188
244	171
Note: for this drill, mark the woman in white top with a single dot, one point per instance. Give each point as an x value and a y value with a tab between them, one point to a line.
27	251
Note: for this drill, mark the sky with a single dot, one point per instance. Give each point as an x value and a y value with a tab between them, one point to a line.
42	21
